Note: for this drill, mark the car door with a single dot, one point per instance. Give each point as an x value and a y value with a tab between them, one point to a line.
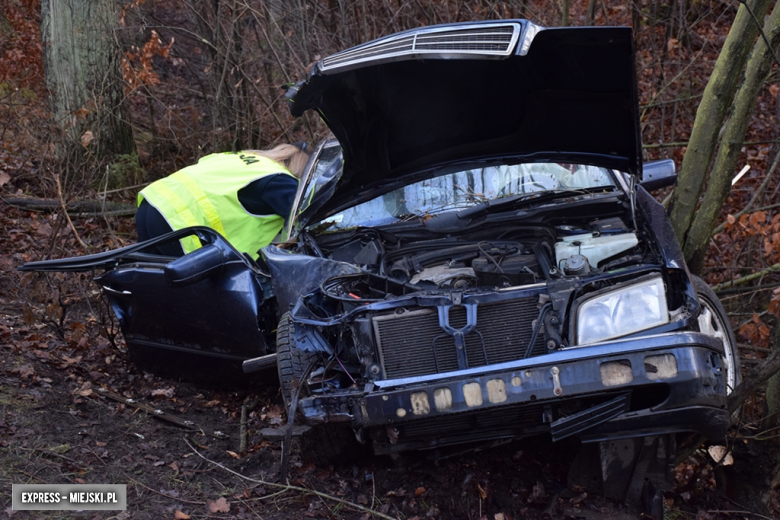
190	313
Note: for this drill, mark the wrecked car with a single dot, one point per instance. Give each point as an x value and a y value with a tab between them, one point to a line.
488	262
475	257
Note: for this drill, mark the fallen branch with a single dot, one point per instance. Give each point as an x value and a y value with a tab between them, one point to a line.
70	222
76	208
746	279
156	412
290	487
54	454
178	499
249	404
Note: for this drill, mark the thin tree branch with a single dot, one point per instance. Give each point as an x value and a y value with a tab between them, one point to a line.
290	487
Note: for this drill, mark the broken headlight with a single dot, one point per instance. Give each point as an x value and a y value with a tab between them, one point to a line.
622	311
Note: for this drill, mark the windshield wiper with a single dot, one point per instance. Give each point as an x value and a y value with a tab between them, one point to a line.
507	202
453	221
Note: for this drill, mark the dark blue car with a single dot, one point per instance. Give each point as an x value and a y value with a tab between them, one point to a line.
474	257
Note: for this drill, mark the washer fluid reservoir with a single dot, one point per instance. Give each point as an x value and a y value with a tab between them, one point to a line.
594	248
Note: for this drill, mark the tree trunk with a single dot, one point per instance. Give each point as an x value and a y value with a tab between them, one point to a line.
715	102
565	13
5	25
591	16
84	78
758	67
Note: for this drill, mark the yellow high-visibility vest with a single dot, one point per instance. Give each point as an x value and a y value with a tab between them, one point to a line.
206	194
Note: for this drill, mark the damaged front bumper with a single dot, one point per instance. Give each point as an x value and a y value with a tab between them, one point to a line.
659	384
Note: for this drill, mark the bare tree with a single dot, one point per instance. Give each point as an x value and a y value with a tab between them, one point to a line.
732	137
712	110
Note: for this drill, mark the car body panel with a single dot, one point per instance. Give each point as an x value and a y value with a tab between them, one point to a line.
439	338
167	307
571	97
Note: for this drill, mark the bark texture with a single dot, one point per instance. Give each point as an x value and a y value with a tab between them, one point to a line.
82	64
733	135
714	105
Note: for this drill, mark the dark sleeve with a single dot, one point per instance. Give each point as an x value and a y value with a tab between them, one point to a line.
271	194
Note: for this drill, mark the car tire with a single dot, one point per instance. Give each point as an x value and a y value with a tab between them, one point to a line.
325	444
714	321
291	362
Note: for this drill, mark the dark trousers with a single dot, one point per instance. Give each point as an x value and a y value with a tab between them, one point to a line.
151	224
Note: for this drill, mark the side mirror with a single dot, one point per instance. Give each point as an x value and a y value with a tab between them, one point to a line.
194	267
658	174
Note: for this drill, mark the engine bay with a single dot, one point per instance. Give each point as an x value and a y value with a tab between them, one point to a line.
505	257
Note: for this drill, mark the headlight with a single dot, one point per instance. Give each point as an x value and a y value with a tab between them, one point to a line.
623	311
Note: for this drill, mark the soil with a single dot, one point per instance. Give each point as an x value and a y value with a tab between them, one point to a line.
61	352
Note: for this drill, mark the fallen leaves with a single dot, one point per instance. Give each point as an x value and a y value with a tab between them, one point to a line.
221	505
86	138
721	455
67	361
85	390
181	516
163	392
25	371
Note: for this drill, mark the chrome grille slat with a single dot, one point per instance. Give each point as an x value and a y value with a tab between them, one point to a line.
485	40
407	341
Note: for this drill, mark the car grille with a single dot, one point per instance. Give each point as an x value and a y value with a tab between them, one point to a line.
486	40
413	344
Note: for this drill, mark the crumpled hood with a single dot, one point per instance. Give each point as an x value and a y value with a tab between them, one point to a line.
563	94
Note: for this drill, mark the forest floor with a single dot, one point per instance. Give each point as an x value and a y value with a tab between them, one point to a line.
60	360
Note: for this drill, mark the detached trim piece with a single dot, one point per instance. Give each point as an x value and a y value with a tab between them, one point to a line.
468	41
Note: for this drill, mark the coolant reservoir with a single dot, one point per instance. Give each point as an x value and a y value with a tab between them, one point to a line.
594	248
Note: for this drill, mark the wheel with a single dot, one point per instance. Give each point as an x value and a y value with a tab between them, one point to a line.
290	361
714	322
325	444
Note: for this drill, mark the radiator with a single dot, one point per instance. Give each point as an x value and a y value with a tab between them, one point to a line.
412	343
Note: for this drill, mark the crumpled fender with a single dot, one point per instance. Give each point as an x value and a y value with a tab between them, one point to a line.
294	275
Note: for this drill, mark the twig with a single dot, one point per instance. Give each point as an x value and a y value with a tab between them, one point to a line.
745	346
742	290
674	79
156	412
739	513
131	479
290	487
53	454
117	190
746	279
65	211
31	475
249	404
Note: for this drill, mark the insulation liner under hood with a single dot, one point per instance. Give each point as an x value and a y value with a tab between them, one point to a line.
409	103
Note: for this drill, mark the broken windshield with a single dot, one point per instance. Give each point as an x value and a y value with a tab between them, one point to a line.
467	188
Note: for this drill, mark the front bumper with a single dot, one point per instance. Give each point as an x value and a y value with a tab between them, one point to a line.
648	385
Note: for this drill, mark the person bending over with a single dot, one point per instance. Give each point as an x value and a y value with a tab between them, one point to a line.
245	196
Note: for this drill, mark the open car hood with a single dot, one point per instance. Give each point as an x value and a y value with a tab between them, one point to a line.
406	104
